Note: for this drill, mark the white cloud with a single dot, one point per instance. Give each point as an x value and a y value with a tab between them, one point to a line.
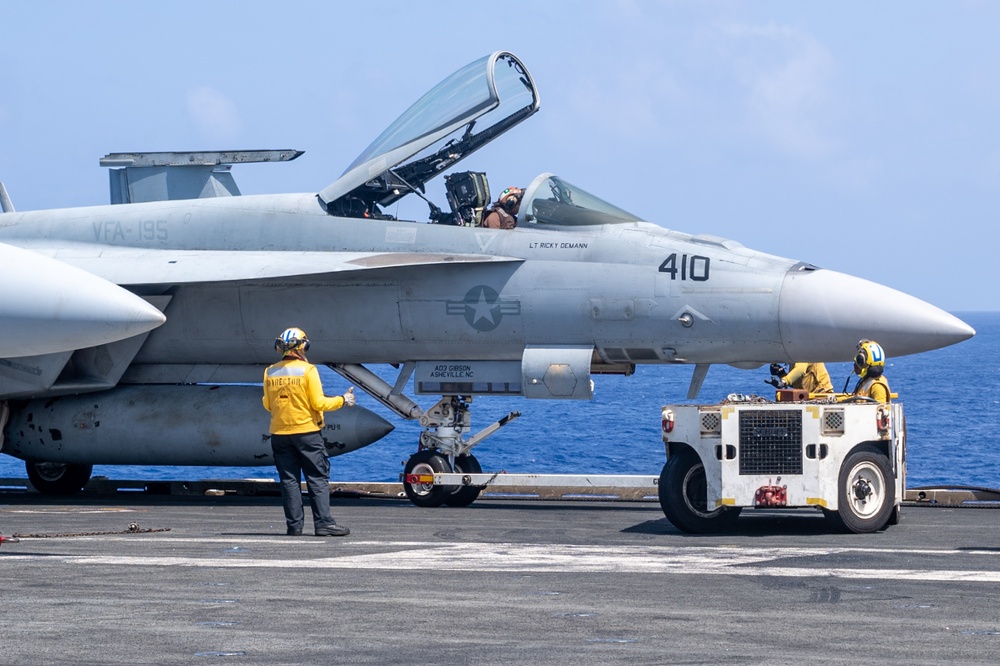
787	75
213	114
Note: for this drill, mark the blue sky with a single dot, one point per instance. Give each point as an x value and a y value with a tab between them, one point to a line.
857	136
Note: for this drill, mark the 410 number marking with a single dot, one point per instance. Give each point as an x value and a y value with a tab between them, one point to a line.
694	267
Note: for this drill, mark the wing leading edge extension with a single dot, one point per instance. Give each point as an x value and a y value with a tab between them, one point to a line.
128	266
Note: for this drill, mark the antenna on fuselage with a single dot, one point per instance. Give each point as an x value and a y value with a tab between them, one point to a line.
5	205
697	379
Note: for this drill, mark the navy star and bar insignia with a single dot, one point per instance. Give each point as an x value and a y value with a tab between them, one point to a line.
482	308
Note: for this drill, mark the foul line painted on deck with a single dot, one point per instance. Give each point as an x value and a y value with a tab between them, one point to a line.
550	558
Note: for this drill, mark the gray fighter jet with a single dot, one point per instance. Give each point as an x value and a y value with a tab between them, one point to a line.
580	287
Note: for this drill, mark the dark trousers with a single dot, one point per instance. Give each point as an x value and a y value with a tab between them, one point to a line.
295	455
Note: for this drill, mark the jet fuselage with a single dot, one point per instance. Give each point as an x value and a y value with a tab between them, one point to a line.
635	291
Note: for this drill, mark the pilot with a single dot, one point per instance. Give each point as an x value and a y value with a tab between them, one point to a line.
294	395
869	364
503	213
810	377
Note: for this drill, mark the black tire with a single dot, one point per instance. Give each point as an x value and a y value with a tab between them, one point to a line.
425	494
684	493
465	495
866	492
58	478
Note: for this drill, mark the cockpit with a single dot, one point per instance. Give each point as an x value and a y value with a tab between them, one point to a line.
461	114
550	200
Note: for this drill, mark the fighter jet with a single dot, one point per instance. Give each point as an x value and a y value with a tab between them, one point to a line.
578	288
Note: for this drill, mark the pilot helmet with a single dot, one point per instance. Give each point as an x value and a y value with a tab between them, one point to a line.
870	358
292	340
510	198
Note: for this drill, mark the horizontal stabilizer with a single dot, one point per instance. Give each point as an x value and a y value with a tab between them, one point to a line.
168	176
198	158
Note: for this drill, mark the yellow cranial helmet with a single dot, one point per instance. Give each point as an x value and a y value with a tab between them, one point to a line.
870	355
292	339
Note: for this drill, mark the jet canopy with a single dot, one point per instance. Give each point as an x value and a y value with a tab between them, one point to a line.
461	114
551	200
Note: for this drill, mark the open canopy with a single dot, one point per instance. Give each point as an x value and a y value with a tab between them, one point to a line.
457	117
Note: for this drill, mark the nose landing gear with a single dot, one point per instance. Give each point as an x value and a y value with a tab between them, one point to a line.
442	447
442	450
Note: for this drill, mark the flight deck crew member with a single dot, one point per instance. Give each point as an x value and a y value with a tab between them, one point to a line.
503	214
294	395
810	377
869	364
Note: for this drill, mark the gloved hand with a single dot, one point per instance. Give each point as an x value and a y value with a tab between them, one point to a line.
775	382
349	397
778	370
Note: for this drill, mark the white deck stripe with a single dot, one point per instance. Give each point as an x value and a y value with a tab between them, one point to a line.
555	558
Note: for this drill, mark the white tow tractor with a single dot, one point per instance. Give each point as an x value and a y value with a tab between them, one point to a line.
844	456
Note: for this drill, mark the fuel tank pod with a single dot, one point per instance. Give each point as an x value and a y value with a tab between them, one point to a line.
168	425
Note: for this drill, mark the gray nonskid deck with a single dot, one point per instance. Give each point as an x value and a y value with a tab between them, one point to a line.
635	488
502	581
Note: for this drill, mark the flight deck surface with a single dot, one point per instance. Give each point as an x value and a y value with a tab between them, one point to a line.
500	582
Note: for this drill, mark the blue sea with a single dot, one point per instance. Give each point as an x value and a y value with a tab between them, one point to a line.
951	398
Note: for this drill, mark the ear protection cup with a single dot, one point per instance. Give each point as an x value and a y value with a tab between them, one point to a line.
510	199
870	355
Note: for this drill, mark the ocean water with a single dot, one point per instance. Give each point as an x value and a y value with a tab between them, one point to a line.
951	398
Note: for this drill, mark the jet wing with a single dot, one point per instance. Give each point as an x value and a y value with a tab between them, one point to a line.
75	310
133	266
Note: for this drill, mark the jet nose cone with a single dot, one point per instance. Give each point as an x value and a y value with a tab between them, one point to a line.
822	314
